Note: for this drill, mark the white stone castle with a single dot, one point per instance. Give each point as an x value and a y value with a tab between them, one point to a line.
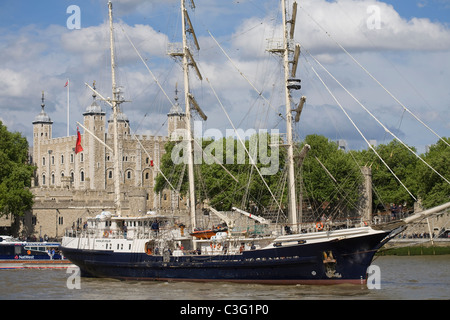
69	187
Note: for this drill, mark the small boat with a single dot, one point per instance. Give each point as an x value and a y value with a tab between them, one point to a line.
15	253
208	233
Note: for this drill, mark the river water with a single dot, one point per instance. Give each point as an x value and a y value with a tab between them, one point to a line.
416	278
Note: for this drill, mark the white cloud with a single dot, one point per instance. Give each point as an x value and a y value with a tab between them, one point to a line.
13	83
35	59
349	23
91	44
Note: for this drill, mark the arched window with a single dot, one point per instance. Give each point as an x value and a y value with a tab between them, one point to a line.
82	176
129	175
43	179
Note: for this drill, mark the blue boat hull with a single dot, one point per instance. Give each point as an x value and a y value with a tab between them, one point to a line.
20	251
340	261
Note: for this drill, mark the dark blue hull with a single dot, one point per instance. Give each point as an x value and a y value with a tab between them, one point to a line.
340	261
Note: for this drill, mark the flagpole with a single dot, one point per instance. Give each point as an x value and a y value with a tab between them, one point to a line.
68	105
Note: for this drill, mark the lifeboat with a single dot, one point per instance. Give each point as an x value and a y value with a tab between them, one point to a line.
208	233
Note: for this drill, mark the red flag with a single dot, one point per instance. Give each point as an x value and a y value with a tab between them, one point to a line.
67	83
151	163
78	147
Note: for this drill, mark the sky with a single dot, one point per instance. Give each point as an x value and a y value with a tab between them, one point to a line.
404	44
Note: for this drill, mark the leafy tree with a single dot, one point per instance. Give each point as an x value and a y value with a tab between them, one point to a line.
337	190
213	182
15	173
432	189
402	162
341	191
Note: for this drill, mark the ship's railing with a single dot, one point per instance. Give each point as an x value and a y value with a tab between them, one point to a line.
332	224
130	233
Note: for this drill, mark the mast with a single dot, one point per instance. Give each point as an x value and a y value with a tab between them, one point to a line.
115	105
292	213
183	51
186	54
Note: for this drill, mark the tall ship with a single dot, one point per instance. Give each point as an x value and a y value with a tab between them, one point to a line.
154	246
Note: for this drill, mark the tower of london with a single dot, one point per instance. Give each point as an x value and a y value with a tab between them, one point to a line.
69	186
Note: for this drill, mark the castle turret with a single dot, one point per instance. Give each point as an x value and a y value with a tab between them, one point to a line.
94	121
123	124
43	122
42	132
177	120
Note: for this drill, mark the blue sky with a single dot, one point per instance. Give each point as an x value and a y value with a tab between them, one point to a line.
16	14
409	54
435	10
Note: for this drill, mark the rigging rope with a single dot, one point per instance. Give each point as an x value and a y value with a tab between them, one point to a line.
243	144
378	121
243	75
150	71
171	103
375	79
362	135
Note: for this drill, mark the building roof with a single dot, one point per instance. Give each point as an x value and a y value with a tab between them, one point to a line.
42	117
121	117
176	109
94	109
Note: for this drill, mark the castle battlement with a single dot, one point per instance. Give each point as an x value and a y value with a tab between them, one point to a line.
142	138
59	140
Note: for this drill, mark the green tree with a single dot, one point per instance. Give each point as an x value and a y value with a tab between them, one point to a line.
341	191
213	182
402	162
432	189
15	173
